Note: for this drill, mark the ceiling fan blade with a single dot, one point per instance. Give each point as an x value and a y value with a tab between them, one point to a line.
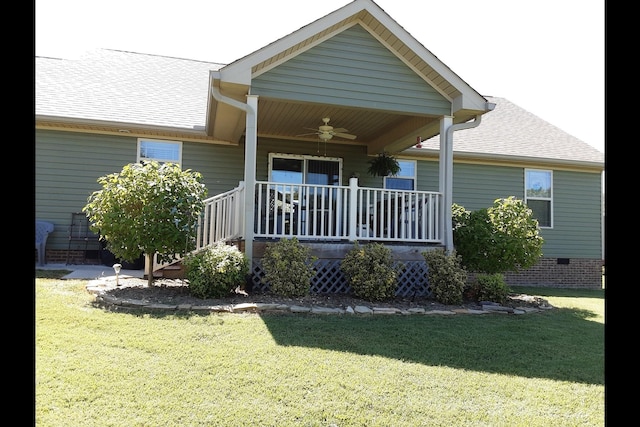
344	135
339	130
306	134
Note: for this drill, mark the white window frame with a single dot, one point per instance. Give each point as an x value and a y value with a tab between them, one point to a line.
404	174
177	160
529	183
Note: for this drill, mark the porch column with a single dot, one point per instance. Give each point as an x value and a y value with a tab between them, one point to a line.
250	146
446	181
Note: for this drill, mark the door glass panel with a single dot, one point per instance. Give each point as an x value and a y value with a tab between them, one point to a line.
287	170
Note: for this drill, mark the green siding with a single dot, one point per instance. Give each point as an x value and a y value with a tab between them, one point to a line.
68	164
577	230
577	215
352	69
477	186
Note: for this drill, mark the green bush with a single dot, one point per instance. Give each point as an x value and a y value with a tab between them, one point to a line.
488	287
370	271
216	271
504	237
288	267
447	277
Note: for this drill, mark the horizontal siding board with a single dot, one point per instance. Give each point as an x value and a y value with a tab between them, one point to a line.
352	69
477	186
288	79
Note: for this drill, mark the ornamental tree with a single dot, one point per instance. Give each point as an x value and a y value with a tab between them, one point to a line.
148	208
504	237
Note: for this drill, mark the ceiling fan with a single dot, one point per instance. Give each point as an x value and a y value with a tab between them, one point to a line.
326	132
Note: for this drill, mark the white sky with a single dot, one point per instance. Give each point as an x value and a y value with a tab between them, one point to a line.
546	56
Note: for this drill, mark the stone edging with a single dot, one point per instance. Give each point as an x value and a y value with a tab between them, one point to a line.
100	287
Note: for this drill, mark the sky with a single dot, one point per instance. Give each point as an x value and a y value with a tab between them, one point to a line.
546	56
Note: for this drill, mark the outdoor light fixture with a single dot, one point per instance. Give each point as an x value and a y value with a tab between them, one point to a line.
116	268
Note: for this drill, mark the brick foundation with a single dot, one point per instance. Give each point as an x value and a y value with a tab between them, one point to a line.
560	273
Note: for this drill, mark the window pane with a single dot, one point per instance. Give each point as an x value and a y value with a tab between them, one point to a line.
407	168
399	183
286	170
541	211
323	172
538	184
160	151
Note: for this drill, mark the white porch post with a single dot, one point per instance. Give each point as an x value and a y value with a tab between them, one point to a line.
353	209
446	180
250	146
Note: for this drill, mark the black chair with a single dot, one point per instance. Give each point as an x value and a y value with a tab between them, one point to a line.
81	237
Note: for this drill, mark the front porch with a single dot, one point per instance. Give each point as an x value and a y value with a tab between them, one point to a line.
329	219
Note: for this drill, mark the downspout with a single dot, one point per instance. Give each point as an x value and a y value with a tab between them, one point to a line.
447	161
251	138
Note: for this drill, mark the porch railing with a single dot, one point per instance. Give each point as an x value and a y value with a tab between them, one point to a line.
222	218
324	213
327	213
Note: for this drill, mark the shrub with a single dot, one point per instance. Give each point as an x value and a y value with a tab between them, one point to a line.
489	287
447	277
216	271
504	237
370	271
288	267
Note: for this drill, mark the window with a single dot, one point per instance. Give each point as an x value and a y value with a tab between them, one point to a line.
305	169
160	151
538	190
405	179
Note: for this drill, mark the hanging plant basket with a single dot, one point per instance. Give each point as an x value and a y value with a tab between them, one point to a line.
383	165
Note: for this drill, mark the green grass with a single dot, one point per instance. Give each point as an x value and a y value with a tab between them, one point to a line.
101	368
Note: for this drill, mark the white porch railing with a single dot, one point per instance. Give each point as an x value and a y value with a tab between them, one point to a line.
222	218
324	213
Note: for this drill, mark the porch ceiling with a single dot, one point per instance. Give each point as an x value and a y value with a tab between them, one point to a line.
374	129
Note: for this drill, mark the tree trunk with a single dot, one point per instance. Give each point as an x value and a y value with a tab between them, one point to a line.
150	264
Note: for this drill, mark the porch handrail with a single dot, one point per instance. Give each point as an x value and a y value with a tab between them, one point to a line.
221	219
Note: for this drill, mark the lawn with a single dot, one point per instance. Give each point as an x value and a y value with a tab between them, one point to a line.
101	368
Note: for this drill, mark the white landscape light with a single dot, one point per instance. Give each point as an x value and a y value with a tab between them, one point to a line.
116	268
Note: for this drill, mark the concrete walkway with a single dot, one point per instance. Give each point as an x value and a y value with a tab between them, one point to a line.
90	272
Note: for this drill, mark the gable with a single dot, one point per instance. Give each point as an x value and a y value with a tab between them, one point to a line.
352	69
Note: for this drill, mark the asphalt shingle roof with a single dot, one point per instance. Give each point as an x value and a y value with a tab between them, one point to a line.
125	87
512	131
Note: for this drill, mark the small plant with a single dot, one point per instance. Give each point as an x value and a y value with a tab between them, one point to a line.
383	165
216	271
447	277
370	271
489	287
288	268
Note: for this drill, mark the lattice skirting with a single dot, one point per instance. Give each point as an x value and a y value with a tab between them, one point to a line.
413	281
